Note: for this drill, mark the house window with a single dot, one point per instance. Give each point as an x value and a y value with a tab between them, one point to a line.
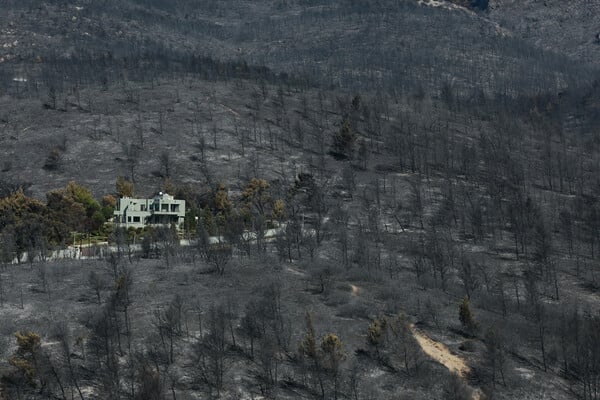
174	207
128	219
143	207
136	219
165	207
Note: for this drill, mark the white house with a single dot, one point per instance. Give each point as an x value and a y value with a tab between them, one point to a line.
163	210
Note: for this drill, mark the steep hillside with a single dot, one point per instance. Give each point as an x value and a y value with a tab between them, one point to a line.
568	27
385	199
383	45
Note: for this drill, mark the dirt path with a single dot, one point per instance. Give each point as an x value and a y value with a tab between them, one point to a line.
444	4
438	351
295	271
441	353
229	109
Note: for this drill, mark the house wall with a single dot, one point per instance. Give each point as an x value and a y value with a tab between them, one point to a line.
160	210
